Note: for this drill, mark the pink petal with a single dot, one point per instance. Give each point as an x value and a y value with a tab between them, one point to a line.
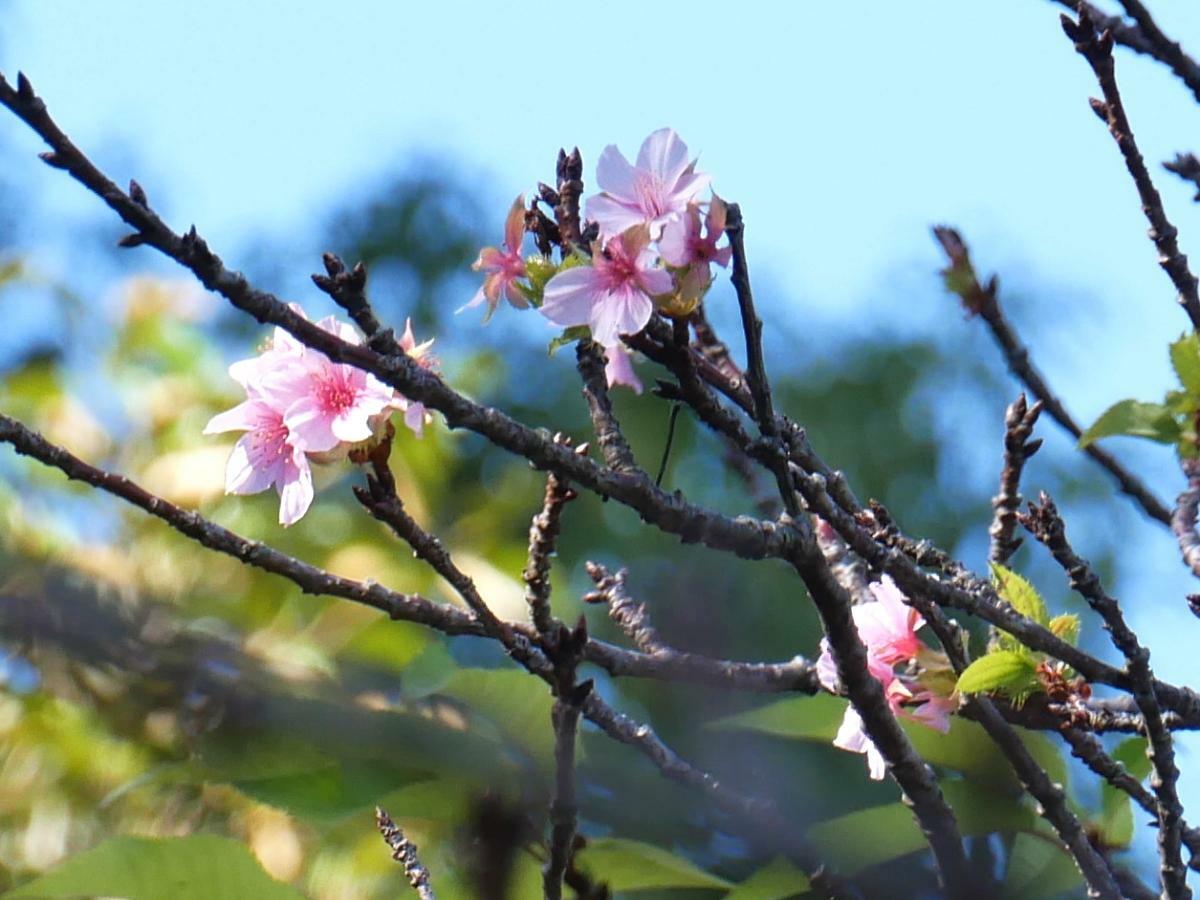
674	243
243	417
414	418
514	225
614	174
296	491
242	476
623	312
619	368
655	281
664	154
350	426
570	296
612	215
515	296
310	426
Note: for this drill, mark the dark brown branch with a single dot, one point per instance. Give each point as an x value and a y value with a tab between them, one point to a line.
615	449
1086	747
569	172
1162	47
1132	36
564	649
404	852
983	300
348	288
1183	520
756	376
1096	48
631	617
1019	420
380	499
1046	525
1187	167
543	539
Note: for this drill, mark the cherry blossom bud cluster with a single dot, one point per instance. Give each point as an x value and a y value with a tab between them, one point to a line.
302	408
911	673
657	241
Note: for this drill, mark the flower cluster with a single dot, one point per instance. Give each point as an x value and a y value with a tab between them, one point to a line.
301	408
657	241
917	690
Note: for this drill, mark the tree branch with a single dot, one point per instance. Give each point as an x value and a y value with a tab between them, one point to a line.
1096	48
1019	420
404	852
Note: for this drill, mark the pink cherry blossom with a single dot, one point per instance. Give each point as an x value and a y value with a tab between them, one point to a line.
619	368
330	403
265	456
682	243
503	267
612	295
889	626
654	192
415	415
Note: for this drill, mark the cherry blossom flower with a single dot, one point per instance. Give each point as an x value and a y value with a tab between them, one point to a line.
612	295
265	456
654	192
300	408
887	626
682	243
503	267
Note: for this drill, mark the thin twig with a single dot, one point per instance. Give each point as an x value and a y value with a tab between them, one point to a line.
348	287
1044	522
1132	36
1019	420
543	539
404	852
1187	167
982	299
617	454
1096	48
1163	48
672	418
631	617
1183	520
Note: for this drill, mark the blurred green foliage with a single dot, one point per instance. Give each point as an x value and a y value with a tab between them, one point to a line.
151	689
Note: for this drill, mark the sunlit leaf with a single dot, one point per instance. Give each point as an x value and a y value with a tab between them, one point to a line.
198	867
1020	594
1185	359
626	865
1006	671
1066	627
1136	419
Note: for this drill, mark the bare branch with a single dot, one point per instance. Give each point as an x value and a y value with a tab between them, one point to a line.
983	300
543	538
1183	520
1187	167
631	617
1096	48
1046	525
404	852
589	358
1019	420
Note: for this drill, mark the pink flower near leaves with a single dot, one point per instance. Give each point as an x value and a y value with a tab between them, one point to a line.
265	456
889	626
612	295
503	267
652	193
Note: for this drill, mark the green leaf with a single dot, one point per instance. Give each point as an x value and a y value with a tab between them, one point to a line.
814	718
1136	419
776	881
518	706
887	832
1185	359
1020	594
1011	673
1066	627
1038	867
1116	807
198	867
626	865
569	336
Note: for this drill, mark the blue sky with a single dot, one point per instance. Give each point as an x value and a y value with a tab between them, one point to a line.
844	132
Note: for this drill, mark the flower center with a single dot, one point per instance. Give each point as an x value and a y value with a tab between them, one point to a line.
335	394
650	194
